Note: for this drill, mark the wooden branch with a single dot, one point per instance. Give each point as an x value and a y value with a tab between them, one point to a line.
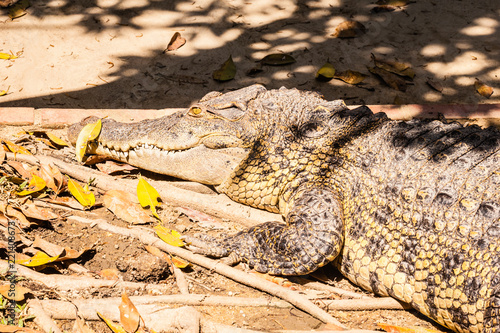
382	303
147	238
42	319
218	205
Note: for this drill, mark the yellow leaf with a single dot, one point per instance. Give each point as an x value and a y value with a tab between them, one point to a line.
16	149
7	56
88	133
114	327
40	258
16	293
85	197
129	316
36	184
169	236
226	72
19	9
3	92
54	138
399	329
483	89
148	196
351	77
180	263
326	72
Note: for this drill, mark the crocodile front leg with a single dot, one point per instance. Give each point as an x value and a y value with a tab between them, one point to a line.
312	236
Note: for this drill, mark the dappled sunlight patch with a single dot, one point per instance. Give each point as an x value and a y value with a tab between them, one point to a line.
209	40
433	50
463	64
482	26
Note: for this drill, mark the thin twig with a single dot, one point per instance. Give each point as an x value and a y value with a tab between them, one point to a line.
42	319
324	287
180	279
382	303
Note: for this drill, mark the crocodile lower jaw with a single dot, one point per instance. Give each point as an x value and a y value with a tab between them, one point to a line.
209	166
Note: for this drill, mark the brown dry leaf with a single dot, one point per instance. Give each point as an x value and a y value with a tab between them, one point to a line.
125	206
399	329
383	8
83	195
226	72
169	236
67	202
110	167
16	149
351	77
392	80
349	29
399	68
36	184
396	3
175	42
110	274
18	166
81	327
483	89
435	85
129	316
32	211
47	142
16	295
277	59
11	212
2	154
114	327
53	178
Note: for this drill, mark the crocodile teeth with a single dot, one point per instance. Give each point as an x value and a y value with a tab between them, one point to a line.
139	152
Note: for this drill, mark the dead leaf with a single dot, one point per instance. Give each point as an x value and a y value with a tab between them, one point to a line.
160	254
398	68
277	59
32	211
88	133
36	184
7	56
53	178
148	196
169	236
67	202
2	154
11	212
326	72
483	89
435	85
83	195
175	42
19	9
16	149
349	29
16	329
18	166
204	220
179	262
15	294
351	77
110	274
396	3
110	167
114	327
129	316
226	72
126	207
40	258
55	139
383	8
392	80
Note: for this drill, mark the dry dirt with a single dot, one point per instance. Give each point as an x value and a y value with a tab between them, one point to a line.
109	54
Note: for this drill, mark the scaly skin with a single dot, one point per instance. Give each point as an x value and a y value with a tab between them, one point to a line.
406	209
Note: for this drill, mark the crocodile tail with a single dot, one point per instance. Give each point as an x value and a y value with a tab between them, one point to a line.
492	311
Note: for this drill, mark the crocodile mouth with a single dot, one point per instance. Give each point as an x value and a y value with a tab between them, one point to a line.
199	163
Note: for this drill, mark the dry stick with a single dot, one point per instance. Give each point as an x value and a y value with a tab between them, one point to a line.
385	303
180	279
63	282
325	287
217	205
218	267
42	319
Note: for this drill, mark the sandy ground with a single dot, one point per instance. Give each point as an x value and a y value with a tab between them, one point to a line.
109	53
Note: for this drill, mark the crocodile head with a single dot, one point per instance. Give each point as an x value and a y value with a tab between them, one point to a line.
204	143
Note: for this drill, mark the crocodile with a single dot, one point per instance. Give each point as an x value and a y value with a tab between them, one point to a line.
407	209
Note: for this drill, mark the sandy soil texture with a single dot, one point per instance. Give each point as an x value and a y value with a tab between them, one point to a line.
109	53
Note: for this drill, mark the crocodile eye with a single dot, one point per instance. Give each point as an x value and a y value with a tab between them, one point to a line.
195	111
313	129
